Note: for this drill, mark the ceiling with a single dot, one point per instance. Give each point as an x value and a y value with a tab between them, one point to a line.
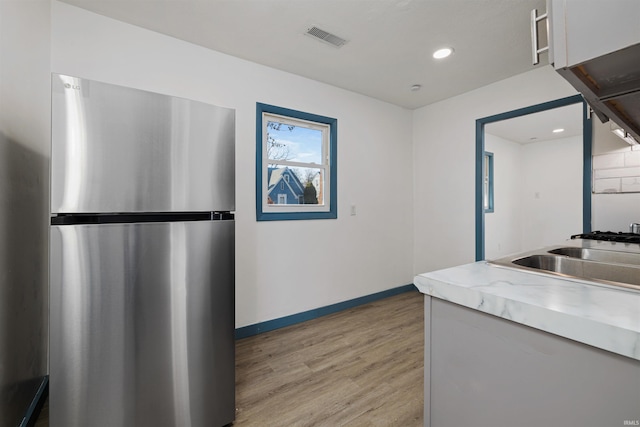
538	127
389	42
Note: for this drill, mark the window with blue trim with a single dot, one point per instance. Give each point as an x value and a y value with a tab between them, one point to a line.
296	156
488	182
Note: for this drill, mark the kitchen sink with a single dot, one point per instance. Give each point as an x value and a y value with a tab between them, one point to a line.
608	267
599	255
583	269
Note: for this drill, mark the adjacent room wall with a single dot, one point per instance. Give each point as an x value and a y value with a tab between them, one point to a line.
319	262
24	198
444	162
613	212
551	193
503	226
538	194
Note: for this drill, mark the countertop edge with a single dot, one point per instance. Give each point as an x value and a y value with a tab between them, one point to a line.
605	336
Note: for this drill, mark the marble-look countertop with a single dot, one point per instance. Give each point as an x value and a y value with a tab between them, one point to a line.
600	316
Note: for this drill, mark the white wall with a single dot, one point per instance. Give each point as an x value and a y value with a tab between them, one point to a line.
503	226
551	194
24	199
538	194
614	212
444	163
348	257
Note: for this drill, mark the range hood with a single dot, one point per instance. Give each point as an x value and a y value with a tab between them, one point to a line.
611	85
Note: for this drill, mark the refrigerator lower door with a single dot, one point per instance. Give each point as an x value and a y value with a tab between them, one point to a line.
142	324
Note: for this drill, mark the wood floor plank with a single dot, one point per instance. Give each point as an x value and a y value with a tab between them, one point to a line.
365	368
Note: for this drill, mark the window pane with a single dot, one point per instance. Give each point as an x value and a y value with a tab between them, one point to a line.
295	185
295	164
488	182
486	195
293	143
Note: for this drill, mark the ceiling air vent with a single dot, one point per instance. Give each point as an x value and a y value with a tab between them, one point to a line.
326	37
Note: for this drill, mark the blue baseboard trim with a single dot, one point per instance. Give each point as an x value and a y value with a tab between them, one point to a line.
34	408
270	325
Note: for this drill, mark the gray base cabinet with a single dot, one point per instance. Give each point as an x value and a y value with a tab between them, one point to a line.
481	370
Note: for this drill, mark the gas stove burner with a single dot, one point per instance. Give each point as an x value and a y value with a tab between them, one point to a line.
609	236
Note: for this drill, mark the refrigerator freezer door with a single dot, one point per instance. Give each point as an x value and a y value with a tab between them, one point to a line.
117	149
142	324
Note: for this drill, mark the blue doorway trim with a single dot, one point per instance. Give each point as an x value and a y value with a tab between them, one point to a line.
586	161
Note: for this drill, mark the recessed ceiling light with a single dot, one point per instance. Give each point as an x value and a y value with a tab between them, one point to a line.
558	130
416	88
443	53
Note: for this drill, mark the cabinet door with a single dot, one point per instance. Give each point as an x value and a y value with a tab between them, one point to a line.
585	29
481	370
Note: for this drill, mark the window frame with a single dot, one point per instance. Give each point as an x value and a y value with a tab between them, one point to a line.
295	212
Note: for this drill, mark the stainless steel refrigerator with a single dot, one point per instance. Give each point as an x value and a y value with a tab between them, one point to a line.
141	258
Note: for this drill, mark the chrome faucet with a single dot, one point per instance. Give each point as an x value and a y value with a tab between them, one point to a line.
634	227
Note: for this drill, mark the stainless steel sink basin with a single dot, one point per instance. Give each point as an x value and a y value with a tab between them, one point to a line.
599	255
611	268
583	269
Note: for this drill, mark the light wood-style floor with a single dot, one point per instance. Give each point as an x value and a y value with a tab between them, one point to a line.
358	367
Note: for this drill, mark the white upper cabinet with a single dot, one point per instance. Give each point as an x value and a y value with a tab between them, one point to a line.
581	30
595	46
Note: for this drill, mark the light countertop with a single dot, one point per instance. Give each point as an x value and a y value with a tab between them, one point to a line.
600	316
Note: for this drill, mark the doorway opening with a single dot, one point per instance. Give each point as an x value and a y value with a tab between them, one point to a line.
531	117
